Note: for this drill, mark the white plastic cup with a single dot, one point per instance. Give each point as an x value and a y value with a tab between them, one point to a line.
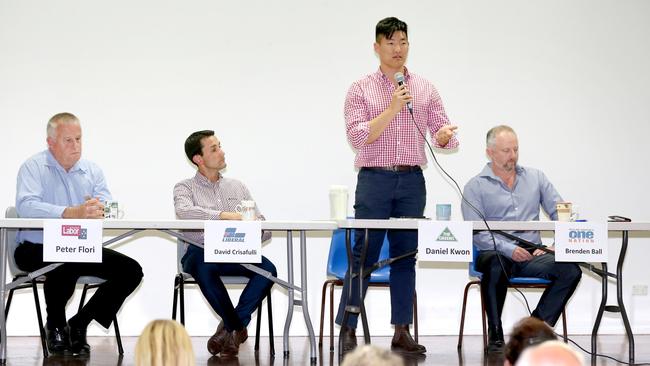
247	210
338	202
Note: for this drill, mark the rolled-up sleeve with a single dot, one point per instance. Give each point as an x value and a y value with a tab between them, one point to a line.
357	117
438	119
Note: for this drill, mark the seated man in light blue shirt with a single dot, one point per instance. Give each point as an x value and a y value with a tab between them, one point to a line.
57	183
505	191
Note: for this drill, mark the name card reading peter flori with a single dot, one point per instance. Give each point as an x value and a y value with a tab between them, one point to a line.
72	241
445	241
232	241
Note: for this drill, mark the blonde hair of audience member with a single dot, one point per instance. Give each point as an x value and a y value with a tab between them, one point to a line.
164	342
550	353
370	355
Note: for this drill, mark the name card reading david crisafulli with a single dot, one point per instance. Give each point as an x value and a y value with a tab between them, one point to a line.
233	241
445	241
581	241
72	241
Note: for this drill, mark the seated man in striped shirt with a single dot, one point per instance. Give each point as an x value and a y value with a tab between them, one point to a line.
210	196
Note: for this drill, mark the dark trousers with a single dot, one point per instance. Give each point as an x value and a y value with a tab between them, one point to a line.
121	274
382	195
208	276
564	279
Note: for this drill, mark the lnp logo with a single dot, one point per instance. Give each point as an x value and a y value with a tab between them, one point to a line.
581	236
231	235
446	235
74	230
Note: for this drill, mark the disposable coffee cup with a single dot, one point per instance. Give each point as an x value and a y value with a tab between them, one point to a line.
564	210
338	202
443	211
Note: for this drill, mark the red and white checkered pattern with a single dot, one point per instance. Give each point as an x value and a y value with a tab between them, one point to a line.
400	143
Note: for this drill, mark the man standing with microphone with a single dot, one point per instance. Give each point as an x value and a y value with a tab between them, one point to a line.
382	120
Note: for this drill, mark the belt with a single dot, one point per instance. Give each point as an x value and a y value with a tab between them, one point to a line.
394	168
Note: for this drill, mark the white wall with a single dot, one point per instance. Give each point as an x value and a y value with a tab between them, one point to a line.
270	78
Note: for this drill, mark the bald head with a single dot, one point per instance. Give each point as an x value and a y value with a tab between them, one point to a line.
550	353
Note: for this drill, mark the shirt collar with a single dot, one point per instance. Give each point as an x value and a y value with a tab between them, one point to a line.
381	76
202	179
50	160
488	173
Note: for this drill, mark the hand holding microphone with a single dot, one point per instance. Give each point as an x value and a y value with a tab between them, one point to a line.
401	94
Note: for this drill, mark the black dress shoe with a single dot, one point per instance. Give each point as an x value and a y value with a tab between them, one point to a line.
349	338
403	342
57	341
78	343
495	341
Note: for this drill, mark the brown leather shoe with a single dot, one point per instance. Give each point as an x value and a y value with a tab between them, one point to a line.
349	338
215	343
230	346
403	342
240	336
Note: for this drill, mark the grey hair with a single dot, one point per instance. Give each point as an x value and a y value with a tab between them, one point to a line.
58	119
370	355
491	137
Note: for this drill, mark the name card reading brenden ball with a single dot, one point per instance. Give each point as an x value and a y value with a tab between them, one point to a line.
581	241
72	241
445	241
228	241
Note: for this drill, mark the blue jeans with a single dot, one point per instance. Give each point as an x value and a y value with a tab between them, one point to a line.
382	195
207	275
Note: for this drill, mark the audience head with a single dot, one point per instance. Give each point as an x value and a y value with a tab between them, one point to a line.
550	353
164	342
64	139
370	355
194	144
527	332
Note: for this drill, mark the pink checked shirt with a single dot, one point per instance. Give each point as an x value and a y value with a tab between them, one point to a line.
400	143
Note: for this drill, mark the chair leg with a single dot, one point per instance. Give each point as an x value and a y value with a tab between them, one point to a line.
462	314
564	331
259	323
270	310
322	315
483	318
415	315
332	316
181	290
9	298
83	297
118	337
175	297
41	328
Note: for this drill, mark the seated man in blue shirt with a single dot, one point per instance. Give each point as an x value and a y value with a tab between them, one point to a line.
57	183
505	191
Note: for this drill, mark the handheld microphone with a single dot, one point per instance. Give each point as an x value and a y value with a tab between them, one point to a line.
399	77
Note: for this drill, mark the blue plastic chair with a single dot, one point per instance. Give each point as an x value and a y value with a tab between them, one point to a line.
337	266
515	282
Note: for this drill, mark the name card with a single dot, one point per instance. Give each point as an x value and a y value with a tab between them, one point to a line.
445	241
581	241
72	241
232	241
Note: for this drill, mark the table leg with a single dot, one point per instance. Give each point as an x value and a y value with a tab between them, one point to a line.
619	295
290	293
303	295
3	289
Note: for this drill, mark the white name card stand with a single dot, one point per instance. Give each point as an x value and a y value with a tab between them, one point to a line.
72	241
581	241
445	241
229	241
